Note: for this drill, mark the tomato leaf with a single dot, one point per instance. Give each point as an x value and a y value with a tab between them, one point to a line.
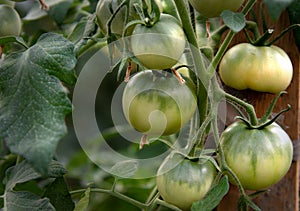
276	7
84	201
213	197
59	195
23	200
235	21
24	172
19	40
33	101
58	10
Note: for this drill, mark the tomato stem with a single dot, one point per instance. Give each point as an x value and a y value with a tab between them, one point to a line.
252	27
178	76
200	69
128	71
216	60
115	194
44	5
144	141
109	22
248	107
262	41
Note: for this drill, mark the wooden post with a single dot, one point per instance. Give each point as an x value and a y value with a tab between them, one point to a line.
283	196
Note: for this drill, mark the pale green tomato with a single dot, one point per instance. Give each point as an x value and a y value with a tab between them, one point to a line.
156	104
159	46
213	8
259	157
182	182
260	68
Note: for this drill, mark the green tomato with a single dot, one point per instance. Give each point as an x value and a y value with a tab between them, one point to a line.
161	45
181	181
259	157
155	103
10	21
260	68
213	8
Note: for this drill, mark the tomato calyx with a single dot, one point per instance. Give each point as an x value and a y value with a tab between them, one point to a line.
265	121
265	124
150	14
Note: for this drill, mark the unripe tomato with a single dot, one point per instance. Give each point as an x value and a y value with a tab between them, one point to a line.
260	68
259	157
161	45
181	181
10	21
155	103
213	8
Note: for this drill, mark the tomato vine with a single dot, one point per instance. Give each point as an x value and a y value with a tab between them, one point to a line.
170	100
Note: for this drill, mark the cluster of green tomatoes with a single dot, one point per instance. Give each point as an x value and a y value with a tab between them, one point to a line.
159	102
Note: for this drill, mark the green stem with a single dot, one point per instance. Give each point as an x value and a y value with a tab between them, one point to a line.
216	60
262	41
253	27
200	69
153	195
248	107
115	194
167	205
109	22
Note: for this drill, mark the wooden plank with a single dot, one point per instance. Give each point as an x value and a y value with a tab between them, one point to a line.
285	194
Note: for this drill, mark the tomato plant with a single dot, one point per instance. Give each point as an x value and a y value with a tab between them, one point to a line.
154	46
270	69
259	157
214	8
64	107
192	179
155	108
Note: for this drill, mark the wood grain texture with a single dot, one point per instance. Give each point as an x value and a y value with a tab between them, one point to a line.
283	196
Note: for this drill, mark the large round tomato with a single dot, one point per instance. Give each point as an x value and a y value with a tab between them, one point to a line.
10	21
161	45
181	181
264	69
213	8
155	103
259	157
